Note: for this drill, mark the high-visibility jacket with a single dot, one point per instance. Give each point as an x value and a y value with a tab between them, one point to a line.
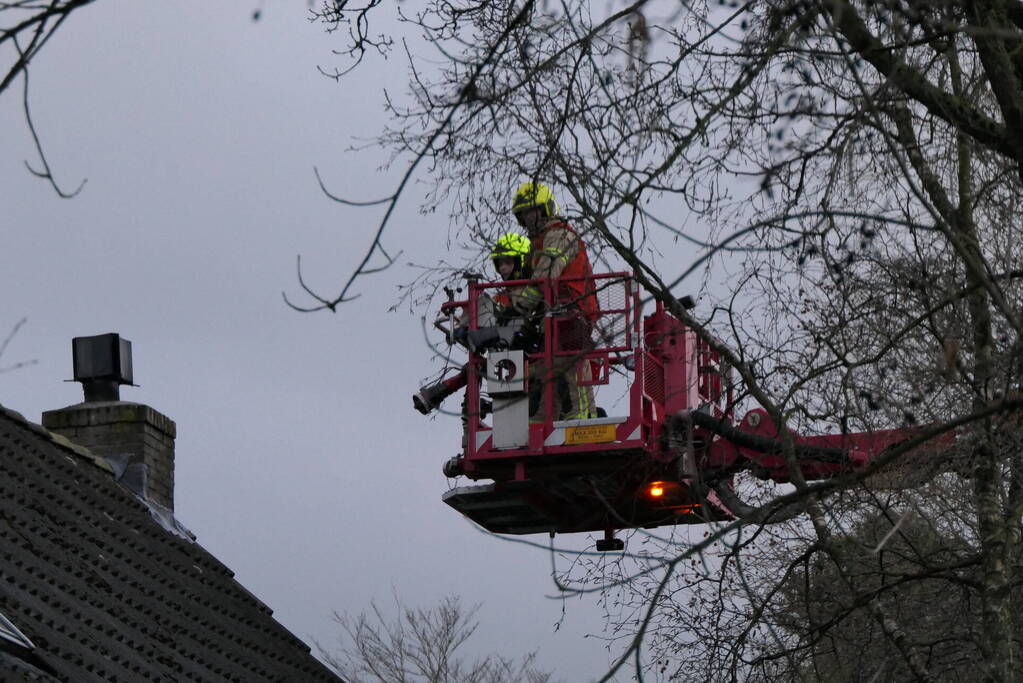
559	253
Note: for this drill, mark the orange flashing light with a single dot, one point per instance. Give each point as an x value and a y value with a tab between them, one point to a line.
656	489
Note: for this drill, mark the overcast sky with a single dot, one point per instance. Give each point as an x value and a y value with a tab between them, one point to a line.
300	462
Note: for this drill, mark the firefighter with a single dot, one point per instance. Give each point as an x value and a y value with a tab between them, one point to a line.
510	256
559	255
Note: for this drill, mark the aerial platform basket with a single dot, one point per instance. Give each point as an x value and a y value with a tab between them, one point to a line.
589	474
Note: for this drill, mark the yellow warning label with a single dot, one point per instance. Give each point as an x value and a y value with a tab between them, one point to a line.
589	434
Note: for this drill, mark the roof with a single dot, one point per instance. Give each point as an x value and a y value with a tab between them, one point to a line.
105	591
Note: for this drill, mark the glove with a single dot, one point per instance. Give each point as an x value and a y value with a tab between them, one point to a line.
529	300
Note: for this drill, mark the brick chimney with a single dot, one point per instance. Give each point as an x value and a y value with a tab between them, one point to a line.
136	436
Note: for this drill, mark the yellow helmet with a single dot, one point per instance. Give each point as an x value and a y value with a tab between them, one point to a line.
535	194
511	245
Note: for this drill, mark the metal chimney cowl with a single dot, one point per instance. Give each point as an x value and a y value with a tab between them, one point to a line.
110	427
102	363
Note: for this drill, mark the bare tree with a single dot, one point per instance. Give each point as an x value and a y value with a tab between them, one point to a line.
26	26
849	172
421	645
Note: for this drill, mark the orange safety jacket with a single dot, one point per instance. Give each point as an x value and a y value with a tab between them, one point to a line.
575	284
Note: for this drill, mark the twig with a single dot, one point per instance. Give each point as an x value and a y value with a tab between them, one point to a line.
46	173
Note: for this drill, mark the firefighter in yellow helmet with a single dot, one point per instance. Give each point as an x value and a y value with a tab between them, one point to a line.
510	256
559	254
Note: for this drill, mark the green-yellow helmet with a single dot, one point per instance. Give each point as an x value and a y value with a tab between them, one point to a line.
535	194
511	245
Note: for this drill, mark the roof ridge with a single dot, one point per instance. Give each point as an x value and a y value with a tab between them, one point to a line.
59	440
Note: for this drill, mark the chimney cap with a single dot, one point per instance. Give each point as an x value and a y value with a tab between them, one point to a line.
102	357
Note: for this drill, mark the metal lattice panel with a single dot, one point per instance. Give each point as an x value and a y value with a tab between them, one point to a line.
612	331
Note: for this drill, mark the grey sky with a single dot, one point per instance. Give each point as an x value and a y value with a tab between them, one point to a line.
300	462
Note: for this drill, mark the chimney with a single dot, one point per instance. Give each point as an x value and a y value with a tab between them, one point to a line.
137	438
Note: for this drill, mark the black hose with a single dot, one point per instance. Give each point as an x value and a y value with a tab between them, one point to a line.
763	444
